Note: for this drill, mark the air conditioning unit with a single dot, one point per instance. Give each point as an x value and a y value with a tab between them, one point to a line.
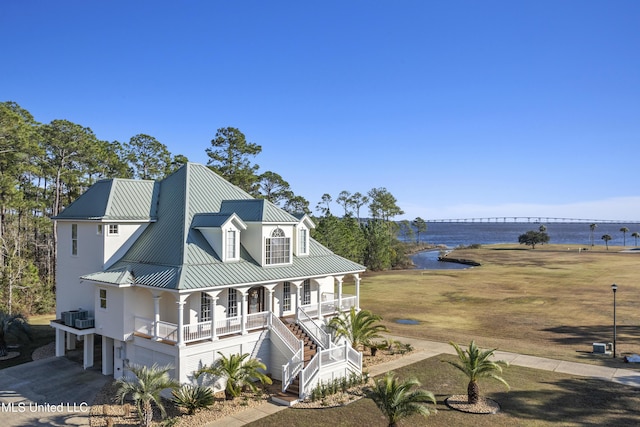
600	348
69	317
84	323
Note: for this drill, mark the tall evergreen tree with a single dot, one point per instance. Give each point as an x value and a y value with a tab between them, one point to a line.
421	227
148	158
229	156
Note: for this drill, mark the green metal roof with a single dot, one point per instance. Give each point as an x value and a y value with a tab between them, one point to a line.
172	254
257	210
115	200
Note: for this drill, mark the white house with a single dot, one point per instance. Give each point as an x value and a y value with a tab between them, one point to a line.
175	271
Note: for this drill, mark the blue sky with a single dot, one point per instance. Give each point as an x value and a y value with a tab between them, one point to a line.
459	108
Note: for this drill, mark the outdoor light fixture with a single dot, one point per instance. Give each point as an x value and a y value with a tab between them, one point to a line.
614	288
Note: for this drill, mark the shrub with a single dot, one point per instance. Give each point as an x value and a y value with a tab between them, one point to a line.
193	398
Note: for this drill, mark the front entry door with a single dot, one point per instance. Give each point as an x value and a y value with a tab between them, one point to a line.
256	300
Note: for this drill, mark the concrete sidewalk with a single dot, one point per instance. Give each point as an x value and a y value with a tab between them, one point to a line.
427	349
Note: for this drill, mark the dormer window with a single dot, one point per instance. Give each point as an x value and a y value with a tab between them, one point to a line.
303	241
231	244
277	248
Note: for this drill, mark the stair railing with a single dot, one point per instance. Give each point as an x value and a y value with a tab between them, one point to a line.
315	331
292	368
337	356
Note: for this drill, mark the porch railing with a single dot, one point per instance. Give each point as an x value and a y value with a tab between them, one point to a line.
168	331
146	327
197	331
229	325
257	320
143	326
201	330
331	305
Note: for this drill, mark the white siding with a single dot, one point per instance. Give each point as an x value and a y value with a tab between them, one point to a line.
115	246
71	294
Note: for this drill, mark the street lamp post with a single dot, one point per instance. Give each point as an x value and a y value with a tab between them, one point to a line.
614	288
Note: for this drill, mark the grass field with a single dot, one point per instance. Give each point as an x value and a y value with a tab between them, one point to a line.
552	301
536	398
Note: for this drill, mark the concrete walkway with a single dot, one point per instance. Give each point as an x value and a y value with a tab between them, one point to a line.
427	349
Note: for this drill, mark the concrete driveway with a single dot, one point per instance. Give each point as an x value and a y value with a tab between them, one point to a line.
48	392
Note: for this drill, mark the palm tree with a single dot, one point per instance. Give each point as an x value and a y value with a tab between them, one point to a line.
397	400
145	389
624	230
360	327
635	235
592	227
12	324
239	373
476	365
193	397
606	239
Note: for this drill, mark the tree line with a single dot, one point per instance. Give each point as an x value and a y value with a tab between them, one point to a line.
46	166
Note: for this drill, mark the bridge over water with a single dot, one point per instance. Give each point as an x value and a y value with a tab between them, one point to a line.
537	220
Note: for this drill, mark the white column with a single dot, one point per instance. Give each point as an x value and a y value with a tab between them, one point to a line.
270	289
319	302
298	285
107	355
245	296
156	317
60	334
357	293
180	303
270	300
214	302
339	279
88	351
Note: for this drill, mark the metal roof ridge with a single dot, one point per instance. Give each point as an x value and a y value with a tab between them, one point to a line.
185	224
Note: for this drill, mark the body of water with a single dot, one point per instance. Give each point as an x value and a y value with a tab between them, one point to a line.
453	235
487	233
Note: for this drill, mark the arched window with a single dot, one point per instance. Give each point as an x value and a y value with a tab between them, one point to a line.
277	248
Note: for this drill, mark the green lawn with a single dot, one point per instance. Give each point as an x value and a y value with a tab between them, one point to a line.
536	398
42	334
550	302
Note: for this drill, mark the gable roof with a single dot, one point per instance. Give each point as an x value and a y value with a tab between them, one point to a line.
257	210
171	252
115	200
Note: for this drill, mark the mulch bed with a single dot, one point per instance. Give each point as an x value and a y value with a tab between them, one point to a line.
460	403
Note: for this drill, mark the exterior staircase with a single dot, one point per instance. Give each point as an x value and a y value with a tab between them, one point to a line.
310	350
290	397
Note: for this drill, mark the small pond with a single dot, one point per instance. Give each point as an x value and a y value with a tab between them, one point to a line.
407	322
428	260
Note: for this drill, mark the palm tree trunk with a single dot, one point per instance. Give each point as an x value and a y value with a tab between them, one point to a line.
473	393
147	414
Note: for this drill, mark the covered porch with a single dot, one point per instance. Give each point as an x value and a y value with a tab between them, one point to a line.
217	314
